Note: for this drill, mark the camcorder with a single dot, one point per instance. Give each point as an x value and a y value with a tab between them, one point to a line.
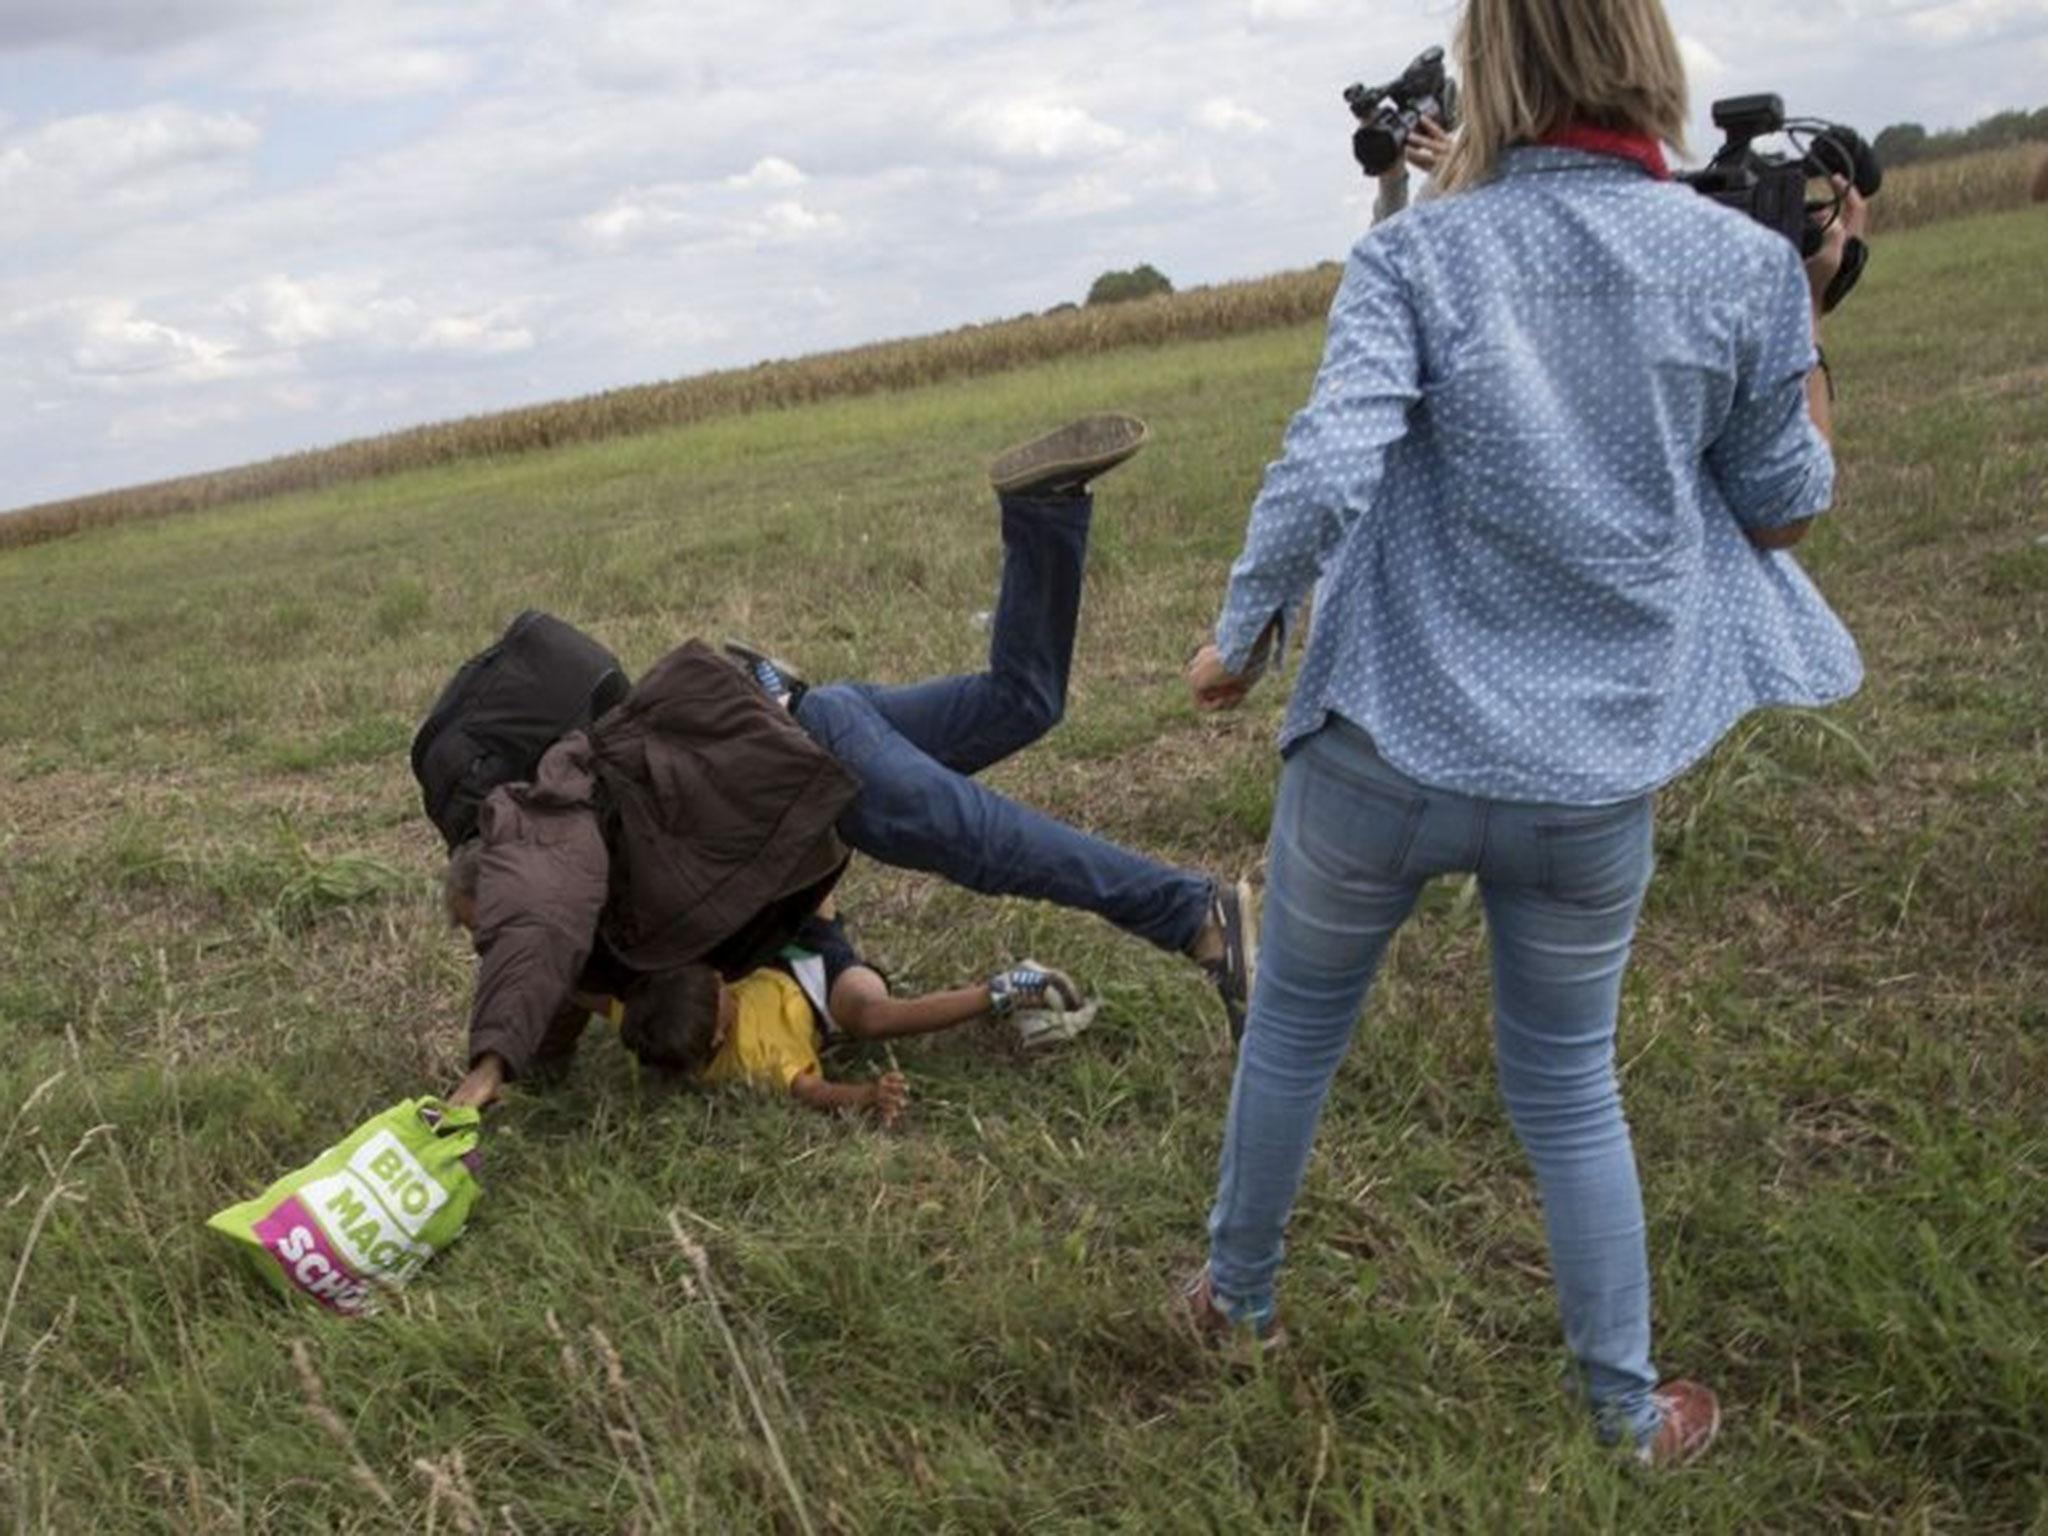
1774	189
1388	113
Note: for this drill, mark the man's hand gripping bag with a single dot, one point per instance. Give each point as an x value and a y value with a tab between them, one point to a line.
364	1215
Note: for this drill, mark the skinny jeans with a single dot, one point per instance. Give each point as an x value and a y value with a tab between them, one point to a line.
1353	843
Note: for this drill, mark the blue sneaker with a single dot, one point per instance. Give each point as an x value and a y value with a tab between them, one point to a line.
777	679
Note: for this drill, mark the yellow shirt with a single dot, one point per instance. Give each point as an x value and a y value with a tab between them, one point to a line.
774	1039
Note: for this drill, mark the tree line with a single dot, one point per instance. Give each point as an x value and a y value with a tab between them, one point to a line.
1904	143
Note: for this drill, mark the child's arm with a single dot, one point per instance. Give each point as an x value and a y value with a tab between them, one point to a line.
862	1006
888	1095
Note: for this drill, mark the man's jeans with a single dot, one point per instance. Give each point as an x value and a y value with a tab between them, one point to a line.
913	749
1353	843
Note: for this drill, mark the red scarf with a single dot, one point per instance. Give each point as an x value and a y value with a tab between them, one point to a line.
1624	142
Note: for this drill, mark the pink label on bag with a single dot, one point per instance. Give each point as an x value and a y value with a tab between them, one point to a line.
300	1246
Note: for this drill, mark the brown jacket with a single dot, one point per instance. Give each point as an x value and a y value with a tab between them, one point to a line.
692	824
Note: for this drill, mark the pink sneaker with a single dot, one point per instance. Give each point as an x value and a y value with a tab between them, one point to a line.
1692	1417
1195	1308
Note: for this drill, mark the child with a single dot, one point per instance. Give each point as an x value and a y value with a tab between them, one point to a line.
770	1027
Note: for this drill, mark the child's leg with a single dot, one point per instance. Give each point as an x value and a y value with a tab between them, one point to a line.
968	722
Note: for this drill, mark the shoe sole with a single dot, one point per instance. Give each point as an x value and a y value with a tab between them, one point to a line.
1078	451
1040	1029
1240	915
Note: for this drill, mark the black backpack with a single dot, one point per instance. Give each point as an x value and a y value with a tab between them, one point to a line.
503	710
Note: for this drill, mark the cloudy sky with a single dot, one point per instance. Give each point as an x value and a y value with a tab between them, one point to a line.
231	228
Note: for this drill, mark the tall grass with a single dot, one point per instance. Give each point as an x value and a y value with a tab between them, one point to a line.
220	947
1913	195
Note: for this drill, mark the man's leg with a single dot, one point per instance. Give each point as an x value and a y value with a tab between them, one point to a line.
971	721
915	812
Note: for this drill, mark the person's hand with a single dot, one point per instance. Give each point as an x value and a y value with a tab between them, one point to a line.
1851	218
1212	684
892	1096
480	1086
1427	145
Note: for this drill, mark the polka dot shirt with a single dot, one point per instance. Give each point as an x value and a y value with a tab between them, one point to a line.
1547	410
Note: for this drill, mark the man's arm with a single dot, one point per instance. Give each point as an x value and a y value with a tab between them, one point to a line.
540	886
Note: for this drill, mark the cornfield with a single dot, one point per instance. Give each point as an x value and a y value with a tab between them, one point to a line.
1932	190
1914	194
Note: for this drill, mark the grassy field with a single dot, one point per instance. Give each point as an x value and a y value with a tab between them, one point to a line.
223	950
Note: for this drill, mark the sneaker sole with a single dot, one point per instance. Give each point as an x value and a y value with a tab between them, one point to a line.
1240	956
1040	1029
1079	450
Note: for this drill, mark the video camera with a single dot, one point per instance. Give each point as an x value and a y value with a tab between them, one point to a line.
1772	188
1387	114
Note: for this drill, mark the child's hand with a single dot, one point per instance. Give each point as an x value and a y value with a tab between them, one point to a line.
892	1096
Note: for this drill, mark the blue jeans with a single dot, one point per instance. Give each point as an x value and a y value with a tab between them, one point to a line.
915	749
1353	843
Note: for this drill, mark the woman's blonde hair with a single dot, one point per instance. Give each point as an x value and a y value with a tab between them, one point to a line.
1530	66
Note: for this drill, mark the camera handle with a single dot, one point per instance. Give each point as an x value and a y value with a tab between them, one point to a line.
1855	254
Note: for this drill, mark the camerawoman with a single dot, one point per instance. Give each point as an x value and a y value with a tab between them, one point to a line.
1568	422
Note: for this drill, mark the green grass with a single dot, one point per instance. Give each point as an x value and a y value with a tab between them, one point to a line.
223	951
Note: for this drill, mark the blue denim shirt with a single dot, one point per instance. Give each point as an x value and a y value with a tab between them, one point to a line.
1547	410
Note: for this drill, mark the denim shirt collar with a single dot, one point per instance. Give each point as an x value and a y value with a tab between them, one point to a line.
1519	160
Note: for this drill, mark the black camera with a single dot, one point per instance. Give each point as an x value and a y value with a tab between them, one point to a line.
1387	114
1772	188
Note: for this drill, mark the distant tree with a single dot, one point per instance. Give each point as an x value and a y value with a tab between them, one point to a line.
1900	143
1140	282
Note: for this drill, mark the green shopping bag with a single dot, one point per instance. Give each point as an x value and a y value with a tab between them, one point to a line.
365	1214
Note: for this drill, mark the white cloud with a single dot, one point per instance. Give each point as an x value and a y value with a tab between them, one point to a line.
369	74
1292	10
483	335
771	171
290	313
1222	115
1036	129
1703	67
76	170
113	343
791	220
1966	21
172	420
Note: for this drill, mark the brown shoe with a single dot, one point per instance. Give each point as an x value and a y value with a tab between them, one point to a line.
1194	1307
1063	461
1692	1417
